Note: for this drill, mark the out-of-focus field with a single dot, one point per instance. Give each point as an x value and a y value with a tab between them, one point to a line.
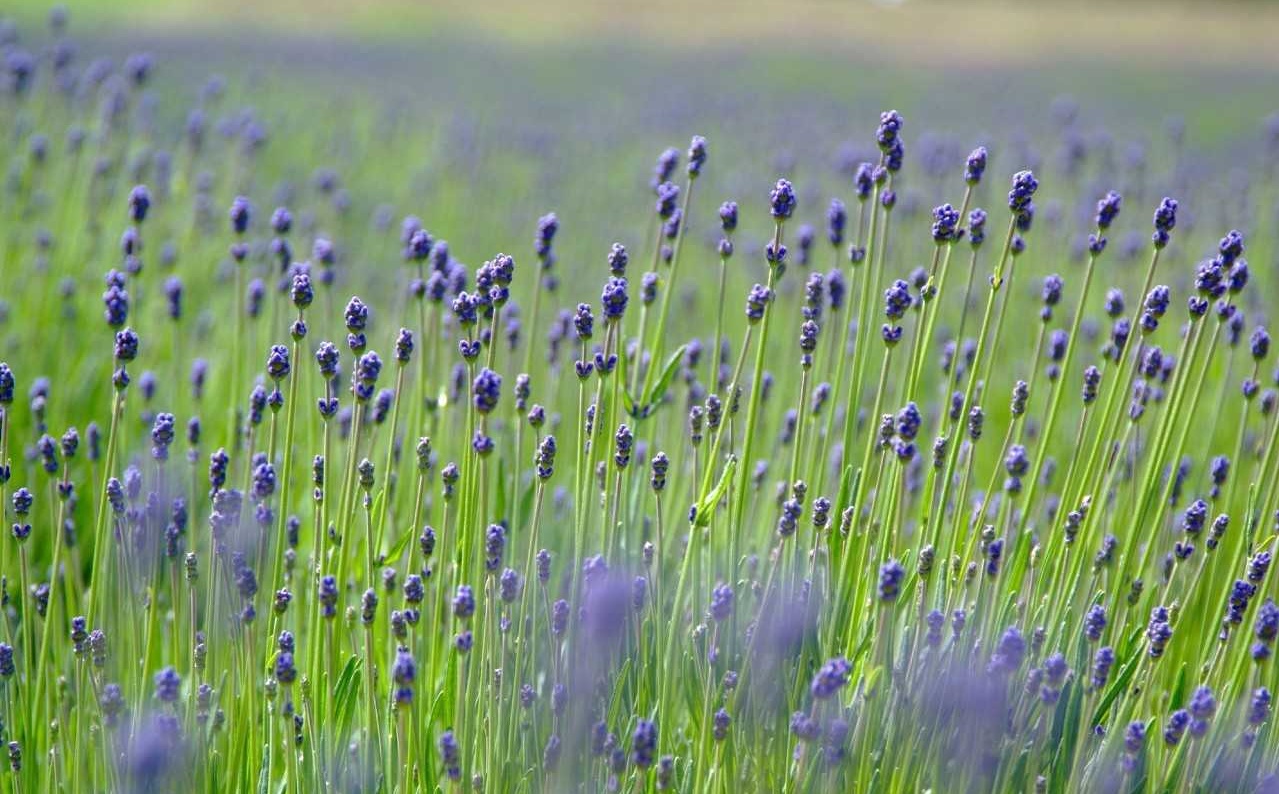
476	106
665	66
936	31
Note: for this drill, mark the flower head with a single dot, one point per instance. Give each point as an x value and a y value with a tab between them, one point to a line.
782	200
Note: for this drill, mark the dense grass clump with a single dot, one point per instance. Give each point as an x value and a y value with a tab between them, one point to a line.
793	492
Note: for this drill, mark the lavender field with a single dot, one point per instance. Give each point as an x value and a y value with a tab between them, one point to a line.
409	397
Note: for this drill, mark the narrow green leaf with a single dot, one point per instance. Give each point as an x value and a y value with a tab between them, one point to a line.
264	782
1066	734
502	482
1178	693
401	543
346	695
1112	692
668	374
706	507
1017	781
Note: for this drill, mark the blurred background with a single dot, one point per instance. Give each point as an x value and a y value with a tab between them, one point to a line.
1175	32
563	104
662	62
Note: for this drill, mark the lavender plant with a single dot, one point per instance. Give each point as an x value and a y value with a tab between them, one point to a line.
956	514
